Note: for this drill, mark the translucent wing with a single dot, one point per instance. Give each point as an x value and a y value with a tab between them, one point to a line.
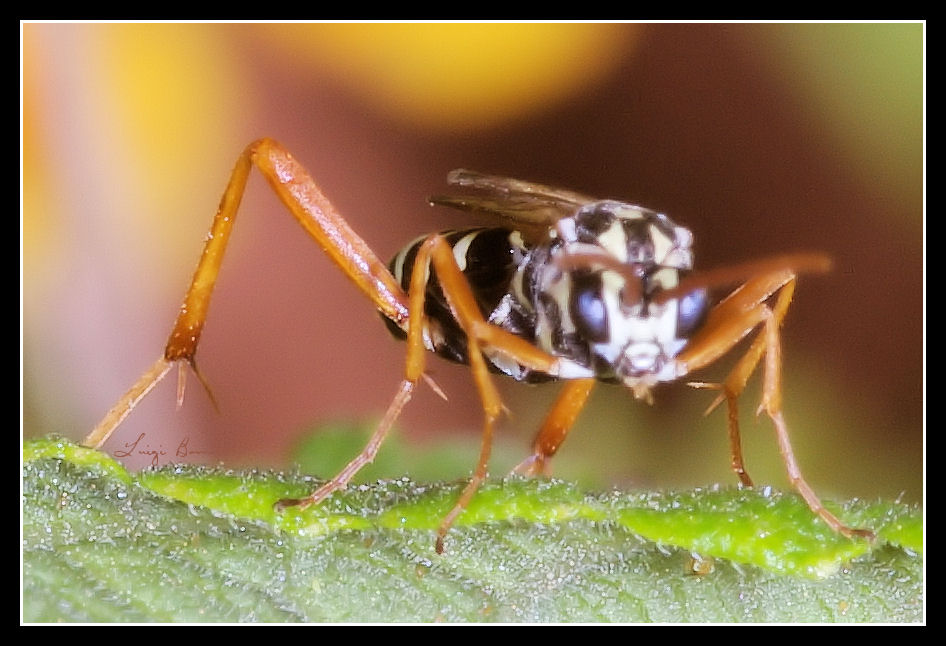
531	208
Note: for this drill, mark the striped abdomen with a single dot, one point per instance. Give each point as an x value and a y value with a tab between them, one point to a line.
488	258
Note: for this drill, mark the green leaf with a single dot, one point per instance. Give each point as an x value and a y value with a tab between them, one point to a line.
204	545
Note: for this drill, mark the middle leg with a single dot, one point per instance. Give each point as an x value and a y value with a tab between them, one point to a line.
436	252
555	428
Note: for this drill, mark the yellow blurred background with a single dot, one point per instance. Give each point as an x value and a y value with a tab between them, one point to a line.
762	138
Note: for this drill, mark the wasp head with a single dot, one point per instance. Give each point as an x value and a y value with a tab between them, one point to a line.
607	263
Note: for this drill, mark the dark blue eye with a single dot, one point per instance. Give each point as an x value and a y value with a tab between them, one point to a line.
587	307
691	310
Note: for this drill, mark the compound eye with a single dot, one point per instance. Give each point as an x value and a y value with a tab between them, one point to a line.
691	310
587	307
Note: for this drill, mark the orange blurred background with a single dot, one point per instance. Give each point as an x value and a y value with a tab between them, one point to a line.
761	138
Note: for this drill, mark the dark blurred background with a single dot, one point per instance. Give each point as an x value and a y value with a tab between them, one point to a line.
761	138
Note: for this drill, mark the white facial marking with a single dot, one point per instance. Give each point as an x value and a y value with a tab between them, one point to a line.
665	278
614	241
662	244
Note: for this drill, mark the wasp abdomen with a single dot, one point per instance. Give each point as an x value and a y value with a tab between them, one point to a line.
488	258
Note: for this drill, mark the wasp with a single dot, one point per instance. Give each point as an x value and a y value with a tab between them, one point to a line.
564	287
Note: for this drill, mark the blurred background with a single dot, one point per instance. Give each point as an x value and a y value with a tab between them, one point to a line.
761	138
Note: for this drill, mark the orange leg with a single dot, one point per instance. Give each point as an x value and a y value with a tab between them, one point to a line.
437	253
729	322
556	426
404	393
300	194
575	393
414	369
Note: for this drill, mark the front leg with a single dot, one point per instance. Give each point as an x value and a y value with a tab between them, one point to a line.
734	318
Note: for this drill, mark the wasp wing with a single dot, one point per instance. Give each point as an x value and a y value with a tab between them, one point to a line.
528	207
512	188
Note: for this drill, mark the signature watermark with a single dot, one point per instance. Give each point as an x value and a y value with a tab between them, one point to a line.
156	454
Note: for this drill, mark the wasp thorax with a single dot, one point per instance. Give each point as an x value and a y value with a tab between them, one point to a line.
629	233
596	293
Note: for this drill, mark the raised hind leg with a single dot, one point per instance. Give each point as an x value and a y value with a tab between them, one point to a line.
305	201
